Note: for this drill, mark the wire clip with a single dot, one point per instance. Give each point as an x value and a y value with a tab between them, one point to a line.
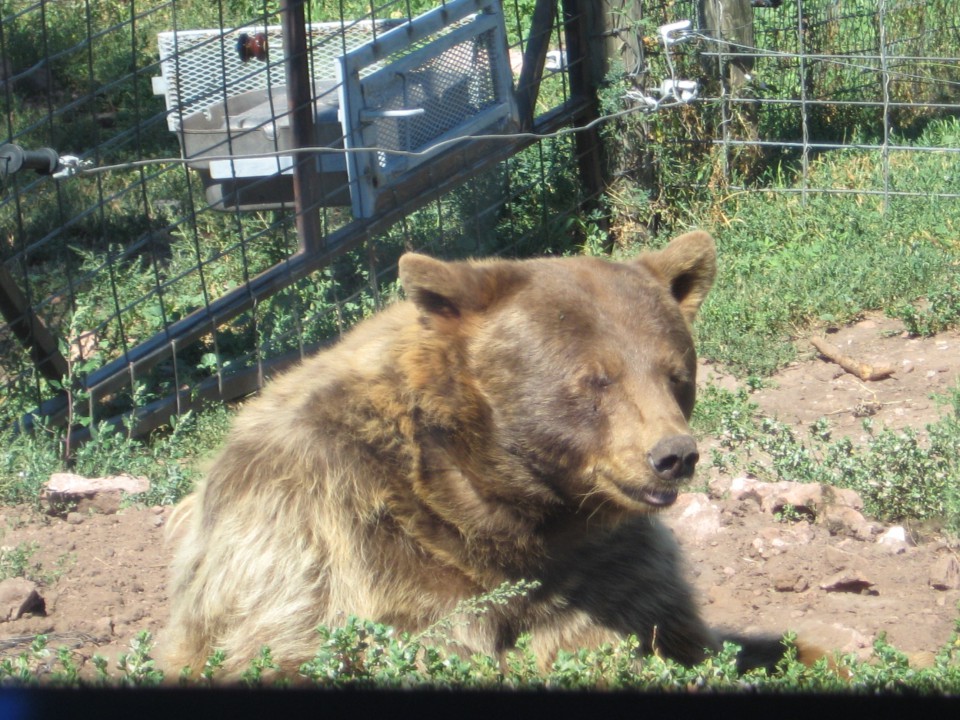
671	92
681	90
675	32
69	166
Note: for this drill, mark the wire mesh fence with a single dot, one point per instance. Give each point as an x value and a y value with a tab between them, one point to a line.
193	246
781	83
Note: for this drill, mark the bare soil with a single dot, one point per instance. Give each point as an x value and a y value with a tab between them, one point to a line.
103	577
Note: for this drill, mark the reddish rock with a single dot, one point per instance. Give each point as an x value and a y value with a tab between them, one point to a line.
66	492
694	517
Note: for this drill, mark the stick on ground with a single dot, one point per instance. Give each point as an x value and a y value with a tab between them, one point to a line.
864	371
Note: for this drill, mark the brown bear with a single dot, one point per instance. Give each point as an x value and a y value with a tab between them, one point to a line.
510	420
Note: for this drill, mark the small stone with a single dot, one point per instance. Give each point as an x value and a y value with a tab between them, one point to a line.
895	538
19	596
790	582
945	573
694	517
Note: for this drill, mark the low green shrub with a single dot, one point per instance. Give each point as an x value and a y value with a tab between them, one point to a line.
899	474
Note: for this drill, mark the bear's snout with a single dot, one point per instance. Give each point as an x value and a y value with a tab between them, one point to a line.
674	458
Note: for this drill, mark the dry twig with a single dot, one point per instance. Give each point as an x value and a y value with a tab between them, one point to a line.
864	371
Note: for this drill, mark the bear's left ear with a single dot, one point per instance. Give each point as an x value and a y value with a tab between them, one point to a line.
688	265
449	289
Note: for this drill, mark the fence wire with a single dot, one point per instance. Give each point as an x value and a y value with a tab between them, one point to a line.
782	83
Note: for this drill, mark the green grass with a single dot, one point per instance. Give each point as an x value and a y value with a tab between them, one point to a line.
172	459
789	264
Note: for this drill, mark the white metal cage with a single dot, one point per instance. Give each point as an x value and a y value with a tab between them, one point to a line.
399	88
200	68
443	76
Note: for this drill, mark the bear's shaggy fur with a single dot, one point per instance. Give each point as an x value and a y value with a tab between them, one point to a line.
511	420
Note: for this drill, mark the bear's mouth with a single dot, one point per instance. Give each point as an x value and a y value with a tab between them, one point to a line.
654	497
659	498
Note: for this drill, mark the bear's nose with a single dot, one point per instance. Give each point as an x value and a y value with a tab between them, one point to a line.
674	458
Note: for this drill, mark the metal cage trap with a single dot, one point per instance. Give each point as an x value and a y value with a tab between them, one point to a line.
404	90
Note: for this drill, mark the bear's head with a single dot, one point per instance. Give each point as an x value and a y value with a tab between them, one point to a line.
585	368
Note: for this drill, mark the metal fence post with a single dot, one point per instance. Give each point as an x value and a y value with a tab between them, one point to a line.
306	180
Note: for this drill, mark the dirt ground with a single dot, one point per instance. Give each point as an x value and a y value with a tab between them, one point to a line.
104	576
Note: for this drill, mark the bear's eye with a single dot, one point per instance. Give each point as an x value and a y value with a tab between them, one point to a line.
598	381
684	391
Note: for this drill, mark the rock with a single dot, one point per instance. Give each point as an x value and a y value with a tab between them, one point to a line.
694	517
805	498
851	581
845	520
843	496
836	636
895	538
838	559
746	488
945	573
66	491
790	582
19	596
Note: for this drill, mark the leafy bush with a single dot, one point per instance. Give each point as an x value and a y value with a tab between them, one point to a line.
940	312
898	474
362	654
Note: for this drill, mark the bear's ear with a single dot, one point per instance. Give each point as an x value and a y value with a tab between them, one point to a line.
688	265
449	289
